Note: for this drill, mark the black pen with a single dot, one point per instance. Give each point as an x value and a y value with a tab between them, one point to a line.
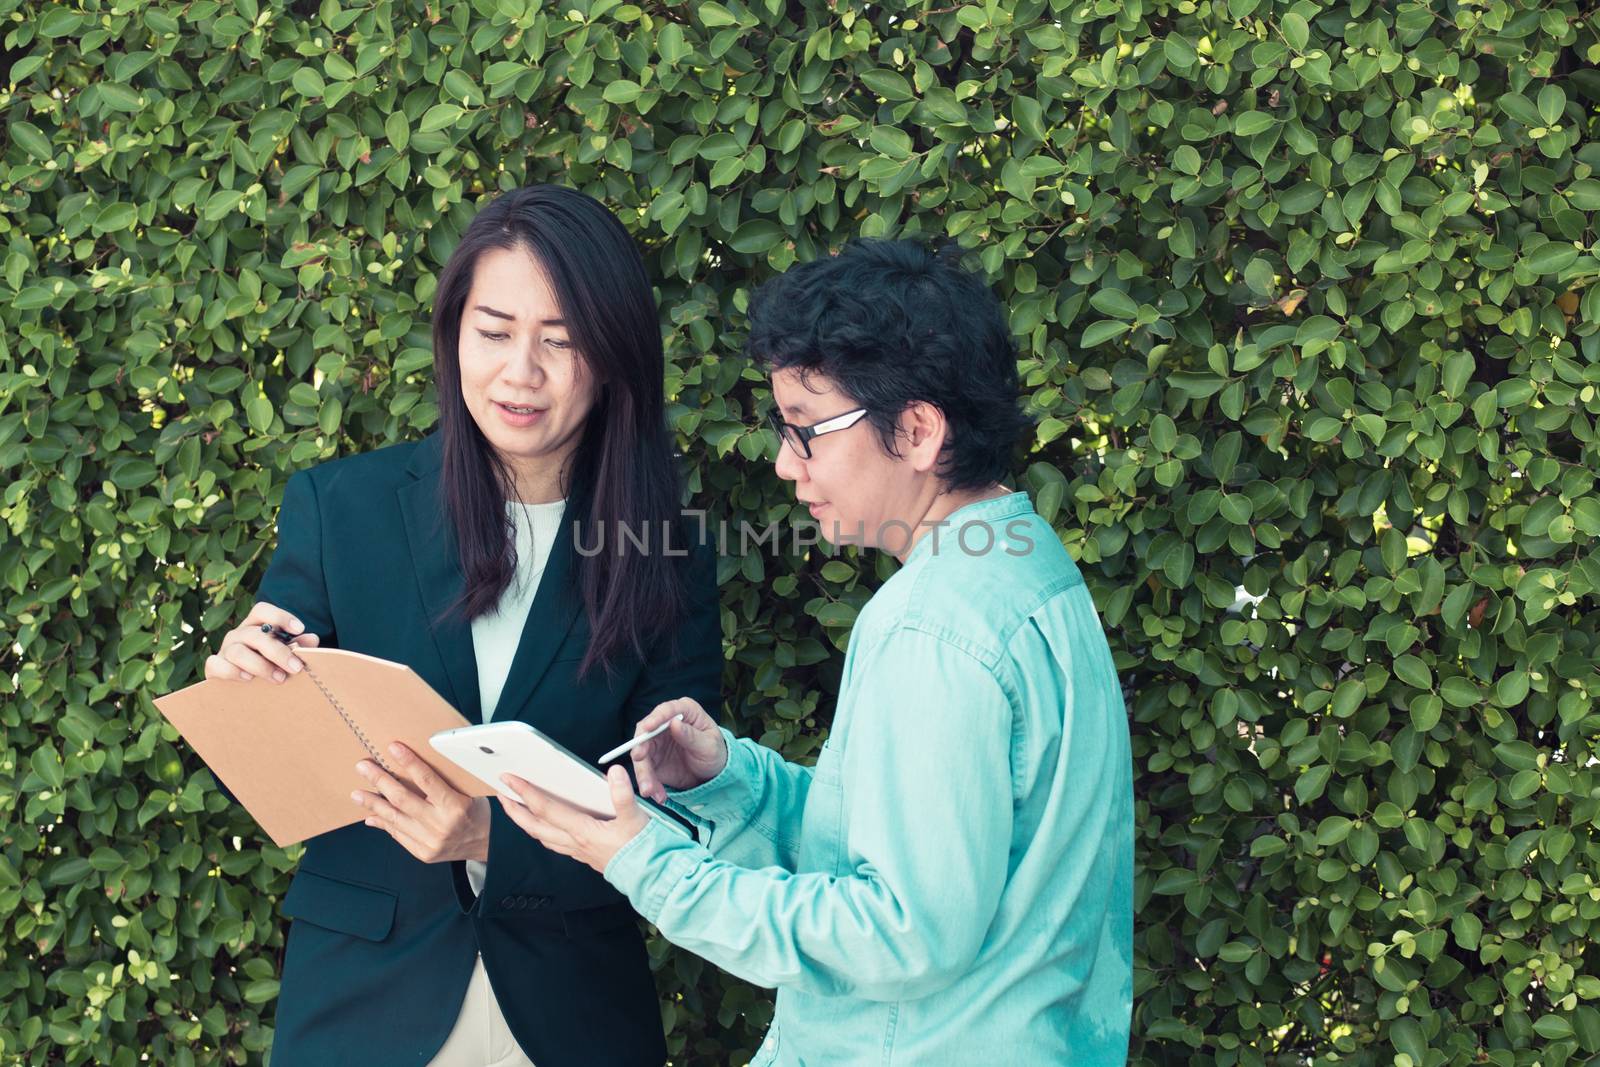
282	635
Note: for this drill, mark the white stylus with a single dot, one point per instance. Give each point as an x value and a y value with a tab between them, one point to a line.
628	746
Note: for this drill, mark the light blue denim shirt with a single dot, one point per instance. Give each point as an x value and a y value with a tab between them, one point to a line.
953	882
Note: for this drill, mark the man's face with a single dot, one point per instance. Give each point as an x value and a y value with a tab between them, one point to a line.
856	491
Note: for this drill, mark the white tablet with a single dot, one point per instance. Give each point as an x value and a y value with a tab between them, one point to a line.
491	749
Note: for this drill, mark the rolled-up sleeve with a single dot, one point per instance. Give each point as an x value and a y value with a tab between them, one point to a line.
925	771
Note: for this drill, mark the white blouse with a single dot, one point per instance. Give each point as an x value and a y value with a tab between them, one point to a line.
496	634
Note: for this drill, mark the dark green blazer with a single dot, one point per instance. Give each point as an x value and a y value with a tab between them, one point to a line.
382	945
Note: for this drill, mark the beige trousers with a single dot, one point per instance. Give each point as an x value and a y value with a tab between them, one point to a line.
480	1037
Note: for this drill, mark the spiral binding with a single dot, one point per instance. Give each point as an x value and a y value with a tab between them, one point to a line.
348	721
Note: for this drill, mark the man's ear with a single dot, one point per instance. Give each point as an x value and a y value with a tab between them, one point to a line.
923	431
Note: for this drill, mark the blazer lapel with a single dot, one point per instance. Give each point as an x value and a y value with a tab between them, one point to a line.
555	607
438	569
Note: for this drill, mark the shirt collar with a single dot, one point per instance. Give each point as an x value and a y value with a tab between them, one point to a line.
992	511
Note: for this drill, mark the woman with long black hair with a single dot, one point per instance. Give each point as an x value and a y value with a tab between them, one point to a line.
436	932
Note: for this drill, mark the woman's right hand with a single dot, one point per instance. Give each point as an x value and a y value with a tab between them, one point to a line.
248	651
690	753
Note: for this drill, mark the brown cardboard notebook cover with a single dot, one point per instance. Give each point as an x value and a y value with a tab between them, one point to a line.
289	751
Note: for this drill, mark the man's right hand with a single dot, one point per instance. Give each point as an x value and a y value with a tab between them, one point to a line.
248	651
690	753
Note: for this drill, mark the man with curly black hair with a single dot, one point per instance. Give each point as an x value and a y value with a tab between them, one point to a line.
952	883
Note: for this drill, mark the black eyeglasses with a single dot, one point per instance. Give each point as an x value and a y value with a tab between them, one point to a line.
799	437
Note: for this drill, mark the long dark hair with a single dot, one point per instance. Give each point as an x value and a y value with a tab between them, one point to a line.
622	471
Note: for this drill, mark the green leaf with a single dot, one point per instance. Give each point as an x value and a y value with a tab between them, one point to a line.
259	411
1258	275
439	116
120	97
1459	692
106	859
499	73
1397	314
1552	258
1524	784
837	614
755	236
114	217
621	91
398	130
1406	1035
1250	123
892	142
1413	672
721	146
1225	455
47	765
1309	786
261	991
1323	428
838	572
1467	929
886	83
338	67
1099	333
1163	433
1333	829
1180	52
59	22
31	139
1296	31
1511	688
69	872
1426	710
670	43
307	81
459	85
1267	845
1195	384
1392	547
725	171
1521	109
1181	240
221	204
1114	302
1029	116
23	68
1552	102
1179	565
713	14
1584	194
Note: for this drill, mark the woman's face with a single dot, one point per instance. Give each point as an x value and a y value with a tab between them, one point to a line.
526	386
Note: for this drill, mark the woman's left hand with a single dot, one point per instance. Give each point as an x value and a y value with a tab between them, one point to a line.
562	828
423	812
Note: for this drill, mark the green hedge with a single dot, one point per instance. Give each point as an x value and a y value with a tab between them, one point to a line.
1305	301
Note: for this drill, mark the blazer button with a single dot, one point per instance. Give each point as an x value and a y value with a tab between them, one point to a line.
508	903
540	902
